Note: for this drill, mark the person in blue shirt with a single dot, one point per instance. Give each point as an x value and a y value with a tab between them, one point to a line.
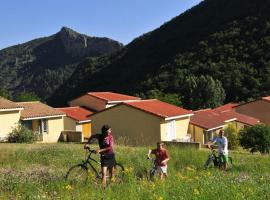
223	152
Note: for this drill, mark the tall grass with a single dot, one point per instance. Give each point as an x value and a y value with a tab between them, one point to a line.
36	171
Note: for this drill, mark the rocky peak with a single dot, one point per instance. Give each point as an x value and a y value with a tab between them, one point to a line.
80	45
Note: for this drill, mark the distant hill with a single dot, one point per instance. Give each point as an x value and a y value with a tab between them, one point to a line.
225	41
43	64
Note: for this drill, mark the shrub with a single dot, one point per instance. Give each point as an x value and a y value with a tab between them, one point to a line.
256	138
233	139
21	134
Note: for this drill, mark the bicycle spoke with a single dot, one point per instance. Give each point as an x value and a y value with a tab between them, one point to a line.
77	174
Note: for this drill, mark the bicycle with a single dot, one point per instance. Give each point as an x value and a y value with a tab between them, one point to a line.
214	161
152	174
80	173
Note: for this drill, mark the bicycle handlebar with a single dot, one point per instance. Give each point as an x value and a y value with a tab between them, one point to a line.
90	150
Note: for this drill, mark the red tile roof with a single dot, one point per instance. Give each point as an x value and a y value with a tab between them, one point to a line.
241	117
37	110
228	106
77	113
7	104
159	108
206	119
210	119
110	96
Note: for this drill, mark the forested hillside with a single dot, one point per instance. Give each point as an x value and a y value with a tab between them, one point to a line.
42	65
216	52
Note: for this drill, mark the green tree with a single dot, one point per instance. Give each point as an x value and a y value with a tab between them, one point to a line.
256	138
204	92
5	93
171	98
26	96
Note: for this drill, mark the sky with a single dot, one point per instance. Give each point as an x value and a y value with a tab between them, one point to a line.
121	20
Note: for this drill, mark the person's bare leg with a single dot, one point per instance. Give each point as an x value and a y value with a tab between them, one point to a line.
165	175
104	171
161	175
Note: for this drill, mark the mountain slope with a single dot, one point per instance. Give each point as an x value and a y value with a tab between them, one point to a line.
43	64
225	39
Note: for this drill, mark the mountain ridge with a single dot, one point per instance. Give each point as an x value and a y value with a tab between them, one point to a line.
33	65
164	58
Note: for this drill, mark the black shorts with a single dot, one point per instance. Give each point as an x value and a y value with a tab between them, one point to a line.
107	160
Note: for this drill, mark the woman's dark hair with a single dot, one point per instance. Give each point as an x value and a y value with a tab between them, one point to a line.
104	129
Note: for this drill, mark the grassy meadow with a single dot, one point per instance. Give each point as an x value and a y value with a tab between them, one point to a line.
36	171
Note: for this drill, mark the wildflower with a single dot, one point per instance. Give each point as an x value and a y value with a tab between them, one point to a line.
196	191
69	187
190	169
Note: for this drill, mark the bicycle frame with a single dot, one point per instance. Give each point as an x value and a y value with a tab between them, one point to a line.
88	162
153	170
212	157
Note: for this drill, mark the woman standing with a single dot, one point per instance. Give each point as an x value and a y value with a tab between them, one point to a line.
107	157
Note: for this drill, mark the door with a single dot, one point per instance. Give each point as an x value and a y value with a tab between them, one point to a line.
86	129
171	130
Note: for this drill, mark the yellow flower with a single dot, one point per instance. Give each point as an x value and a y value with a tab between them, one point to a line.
190	169
196	191
69	187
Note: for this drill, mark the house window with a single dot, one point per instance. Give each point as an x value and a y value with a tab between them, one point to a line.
27	124
43	126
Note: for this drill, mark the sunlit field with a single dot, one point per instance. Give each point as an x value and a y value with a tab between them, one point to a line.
36	171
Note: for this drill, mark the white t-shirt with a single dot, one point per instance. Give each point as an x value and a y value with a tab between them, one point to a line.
222	145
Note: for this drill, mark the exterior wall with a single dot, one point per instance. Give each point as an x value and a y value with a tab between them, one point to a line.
191	131
240	126
237	125
69	124
199	134
133	126
8	120
55	127
181	126
89	102
86	129
259	109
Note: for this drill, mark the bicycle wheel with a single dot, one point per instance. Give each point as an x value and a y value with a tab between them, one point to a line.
153	174
77	174
209	163
118	173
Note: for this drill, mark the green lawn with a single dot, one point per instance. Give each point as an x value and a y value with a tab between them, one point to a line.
36	171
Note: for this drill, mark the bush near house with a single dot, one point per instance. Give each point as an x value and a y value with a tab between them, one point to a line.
233	138
256	138
21	134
